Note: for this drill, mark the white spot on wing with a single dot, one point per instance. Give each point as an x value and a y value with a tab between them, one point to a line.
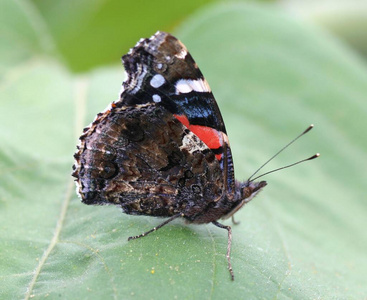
182	54
156	98
184	86
192	143
157	81
78	189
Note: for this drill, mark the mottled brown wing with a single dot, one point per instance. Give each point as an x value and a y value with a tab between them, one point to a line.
142	158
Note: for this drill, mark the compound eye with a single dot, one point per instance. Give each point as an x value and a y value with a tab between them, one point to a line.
246	192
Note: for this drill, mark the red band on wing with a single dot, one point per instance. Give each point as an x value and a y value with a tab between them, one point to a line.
209	136
183	119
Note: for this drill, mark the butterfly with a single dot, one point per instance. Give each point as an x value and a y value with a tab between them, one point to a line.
162	149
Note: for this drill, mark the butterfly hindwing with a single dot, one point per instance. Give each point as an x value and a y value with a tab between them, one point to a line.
153	170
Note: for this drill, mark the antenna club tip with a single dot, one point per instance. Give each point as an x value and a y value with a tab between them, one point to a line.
314	156
308	129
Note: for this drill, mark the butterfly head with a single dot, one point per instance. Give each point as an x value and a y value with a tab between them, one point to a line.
249	189
245	192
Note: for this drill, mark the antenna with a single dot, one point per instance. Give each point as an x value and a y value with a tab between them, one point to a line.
285	167
281	150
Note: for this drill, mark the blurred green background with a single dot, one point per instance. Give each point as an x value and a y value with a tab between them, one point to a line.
274	67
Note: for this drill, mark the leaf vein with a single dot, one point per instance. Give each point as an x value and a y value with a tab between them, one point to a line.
100	257
53	242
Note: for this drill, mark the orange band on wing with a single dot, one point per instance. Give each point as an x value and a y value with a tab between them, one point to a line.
209	136
183	119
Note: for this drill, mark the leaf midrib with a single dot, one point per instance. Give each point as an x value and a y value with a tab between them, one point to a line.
54	240
81	87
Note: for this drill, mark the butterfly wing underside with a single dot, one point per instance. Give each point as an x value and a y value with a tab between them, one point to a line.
161	149
161	70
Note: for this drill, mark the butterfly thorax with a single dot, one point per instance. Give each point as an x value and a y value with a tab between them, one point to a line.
229	204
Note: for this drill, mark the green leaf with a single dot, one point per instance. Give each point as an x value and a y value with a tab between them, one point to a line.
346	19
94	32
303	237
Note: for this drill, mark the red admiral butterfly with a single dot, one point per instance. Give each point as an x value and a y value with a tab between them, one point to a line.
162	150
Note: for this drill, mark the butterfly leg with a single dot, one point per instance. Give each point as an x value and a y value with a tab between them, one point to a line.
155	228
234	221
228	228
